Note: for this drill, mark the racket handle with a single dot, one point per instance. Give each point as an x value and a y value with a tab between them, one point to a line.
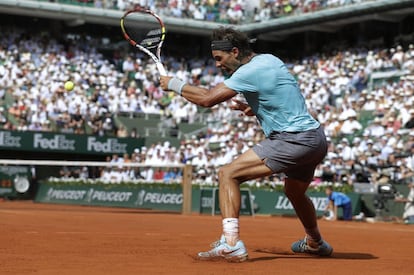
161	69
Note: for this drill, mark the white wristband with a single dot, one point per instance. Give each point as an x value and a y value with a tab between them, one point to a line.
176	85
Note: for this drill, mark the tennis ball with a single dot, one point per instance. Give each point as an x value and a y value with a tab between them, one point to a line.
69	85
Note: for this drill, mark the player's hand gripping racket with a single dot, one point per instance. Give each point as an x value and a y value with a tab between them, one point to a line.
146	36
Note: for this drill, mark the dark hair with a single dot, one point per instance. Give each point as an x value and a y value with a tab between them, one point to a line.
237	39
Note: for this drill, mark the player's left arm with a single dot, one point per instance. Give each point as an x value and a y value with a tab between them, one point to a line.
242	106
207	98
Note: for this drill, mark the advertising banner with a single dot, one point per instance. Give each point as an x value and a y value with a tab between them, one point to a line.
67	143
205	200
118	196
276	203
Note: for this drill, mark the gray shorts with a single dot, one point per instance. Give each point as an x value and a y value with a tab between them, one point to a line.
295	154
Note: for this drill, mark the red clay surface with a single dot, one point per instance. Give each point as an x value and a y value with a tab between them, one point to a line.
59	239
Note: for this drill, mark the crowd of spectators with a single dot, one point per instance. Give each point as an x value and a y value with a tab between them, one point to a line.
370	129
223	11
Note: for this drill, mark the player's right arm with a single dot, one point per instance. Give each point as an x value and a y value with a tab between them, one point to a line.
207	98
199	95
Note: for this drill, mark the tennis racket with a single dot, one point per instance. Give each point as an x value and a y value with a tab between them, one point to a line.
146	35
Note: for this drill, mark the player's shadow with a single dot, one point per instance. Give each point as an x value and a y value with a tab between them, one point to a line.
280	253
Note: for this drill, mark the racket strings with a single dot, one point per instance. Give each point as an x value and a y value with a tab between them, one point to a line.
152	39
148	37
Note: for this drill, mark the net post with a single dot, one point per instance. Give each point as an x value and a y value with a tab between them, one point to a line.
187	189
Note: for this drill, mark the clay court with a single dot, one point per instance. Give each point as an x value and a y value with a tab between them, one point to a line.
58	239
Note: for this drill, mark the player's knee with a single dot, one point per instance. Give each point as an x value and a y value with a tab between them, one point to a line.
226	173
292	193
287	190
294	188
223	173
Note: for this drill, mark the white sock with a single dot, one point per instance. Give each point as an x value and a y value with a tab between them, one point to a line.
231	230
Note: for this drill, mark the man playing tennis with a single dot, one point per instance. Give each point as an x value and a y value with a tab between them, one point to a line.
295	142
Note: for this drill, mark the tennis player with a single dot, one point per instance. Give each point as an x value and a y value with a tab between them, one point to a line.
295	142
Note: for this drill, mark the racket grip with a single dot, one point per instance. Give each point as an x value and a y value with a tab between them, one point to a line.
161	69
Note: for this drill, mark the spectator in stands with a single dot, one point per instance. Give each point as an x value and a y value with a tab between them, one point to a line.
385	147
265	13
173	174
65	172
409	61
359	80
134	133
147	173
128	67
356	150
376	129
397	57
126	158
108	125
199	13
122	132
346	152
409	159
116	159
333	126
350	124
84	173
158	174
3	118
235	14
410	123
200	160
106	175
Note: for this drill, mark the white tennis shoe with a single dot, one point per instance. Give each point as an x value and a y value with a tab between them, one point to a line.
222	250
